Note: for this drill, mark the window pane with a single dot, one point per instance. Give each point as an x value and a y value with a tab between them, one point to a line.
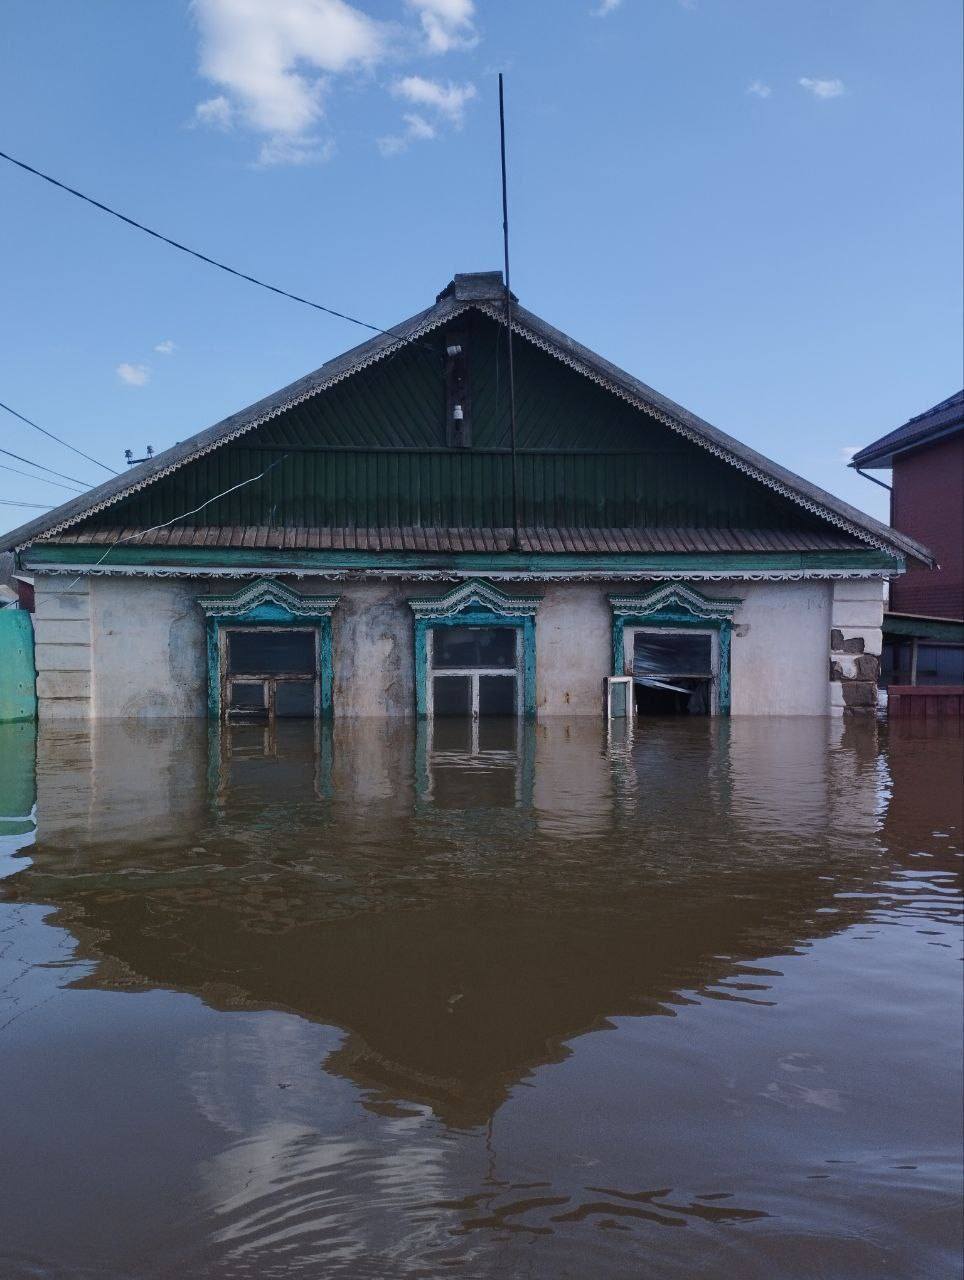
294	698
672	654
940	664
271	652
452	695
496	695
473	647
248	697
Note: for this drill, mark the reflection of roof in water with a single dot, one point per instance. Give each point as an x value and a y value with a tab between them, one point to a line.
459	947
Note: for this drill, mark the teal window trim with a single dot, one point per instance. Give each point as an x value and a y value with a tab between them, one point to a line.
476	604
267	603
677	607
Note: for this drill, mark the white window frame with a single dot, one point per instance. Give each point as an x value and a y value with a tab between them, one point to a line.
473	673
629	650
609	682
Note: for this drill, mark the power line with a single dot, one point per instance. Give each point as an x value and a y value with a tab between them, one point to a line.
17	472
183	516
44	431
40	467
203	257
7	502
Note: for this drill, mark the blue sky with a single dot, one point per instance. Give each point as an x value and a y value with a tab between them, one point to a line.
754	206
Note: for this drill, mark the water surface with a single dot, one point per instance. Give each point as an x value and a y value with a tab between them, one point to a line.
512	1002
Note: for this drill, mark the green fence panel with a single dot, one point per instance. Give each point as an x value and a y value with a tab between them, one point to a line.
18	676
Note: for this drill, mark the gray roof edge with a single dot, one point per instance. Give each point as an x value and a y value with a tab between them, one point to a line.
712	436
558	343
235	424
880	454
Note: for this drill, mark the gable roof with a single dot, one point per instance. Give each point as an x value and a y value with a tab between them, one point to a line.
943	419
484	291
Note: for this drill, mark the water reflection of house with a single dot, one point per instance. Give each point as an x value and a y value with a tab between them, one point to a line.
372	541
458	946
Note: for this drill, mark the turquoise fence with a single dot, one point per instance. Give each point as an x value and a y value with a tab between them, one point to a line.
18	676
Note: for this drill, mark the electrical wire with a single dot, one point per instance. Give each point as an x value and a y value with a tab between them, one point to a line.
40	467
56	483
65	443
195	253
183	516
8	502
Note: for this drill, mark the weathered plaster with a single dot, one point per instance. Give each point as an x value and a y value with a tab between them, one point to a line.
856	640
780	649
62	648
573	650
148	646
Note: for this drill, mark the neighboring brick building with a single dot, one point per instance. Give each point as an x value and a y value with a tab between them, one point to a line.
924	625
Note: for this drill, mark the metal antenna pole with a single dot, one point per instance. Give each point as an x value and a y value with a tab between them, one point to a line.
508	326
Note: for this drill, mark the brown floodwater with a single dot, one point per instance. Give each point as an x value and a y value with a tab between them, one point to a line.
527	1001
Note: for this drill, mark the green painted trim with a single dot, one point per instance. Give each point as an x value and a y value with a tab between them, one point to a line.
75	556
474	618
947	632
676	620
268	613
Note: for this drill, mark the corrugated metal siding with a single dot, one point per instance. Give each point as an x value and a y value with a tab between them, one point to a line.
400	403
458	488
532	540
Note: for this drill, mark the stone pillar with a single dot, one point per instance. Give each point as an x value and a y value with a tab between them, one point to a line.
61	626
855	644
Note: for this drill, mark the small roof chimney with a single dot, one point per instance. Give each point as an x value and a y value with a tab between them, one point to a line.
475	286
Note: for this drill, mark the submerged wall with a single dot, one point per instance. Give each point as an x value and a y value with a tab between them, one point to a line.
135	647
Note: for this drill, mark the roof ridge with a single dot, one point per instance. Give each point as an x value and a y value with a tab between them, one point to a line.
481	290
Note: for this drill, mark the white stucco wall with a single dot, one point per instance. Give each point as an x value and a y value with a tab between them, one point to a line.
573	649
780	654
147	651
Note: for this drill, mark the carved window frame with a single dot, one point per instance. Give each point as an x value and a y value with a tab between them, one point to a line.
477	604
272	606
675	607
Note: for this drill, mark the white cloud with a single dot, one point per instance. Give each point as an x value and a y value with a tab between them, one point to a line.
296	151
166	347
605	7
823	88
759	89
847	451
447	24
134	375
273	59
417	129
448	100
216	113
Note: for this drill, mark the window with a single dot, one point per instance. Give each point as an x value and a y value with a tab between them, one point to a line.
269	652
271	672
475	652
674	671
473	671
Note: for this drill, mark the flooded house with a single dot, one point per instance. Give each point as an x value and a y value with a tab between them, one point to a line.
377	539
